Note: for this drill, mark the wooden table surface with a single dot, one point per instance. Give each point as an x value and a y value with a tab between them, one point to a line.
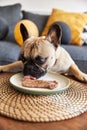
76	123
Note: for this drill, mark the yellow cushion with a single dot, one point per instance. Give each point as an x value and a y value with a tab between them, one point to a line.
31	28
76	22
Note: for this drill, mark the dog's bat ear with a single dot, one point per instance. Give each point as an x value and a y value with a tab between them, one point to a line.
24	32
54	34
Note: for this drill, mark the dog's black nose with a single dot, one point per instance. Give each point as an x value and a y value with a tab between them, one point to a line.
30	68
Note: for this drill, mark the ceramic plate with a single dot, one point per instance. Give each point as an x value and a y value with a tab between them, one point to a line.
63	84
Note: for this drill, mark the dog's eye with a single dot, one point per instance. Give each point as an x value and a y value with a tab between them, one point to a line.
40	60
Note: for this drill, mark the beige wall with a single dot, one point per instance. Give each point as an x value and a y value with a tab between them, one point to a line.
45	6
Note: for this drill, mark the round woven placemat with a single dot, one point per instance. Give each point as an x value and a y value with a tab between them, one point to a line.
20	106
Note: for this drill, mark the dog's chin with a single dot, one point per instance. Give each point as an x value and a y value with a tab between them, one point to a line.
32	69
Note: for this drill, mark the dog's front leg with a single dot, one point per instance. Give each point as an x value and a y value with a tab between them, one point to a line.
78	73
13	67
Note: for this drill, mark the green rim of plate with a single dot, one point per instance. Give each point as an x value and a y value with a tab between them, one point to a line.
34	92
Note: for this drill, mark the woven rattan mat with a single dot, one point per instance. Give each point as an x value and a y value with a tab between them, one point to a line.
20	106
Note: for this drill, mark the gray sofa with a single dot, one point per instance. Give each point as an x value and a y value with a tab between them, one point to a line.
9	49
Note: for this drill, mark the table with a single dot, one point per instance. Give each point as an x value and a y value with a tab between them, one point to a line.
76	123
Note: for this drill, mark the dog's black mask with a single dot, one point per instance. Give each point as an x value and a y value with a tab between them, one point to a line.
30	68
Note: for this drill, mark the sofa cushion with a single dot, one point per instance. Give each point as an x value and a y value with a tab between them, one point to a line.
12	14
66	32
9	52
3	28
76	22
79	55
84	35
38	19
31	29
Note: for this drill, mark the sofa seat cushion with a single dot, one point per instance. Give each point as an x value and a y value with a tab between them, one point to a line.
3	28
9	52
79	55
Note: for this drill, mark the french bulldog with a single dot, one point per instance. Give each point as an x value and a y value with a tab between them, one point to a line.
39	55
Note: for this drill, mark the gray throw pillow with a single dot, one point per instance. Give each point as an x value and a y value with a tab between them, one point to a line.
66	32
12	14
38	19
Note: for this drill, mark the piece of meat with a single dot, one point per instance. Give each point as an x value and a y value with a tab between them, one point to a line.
31	82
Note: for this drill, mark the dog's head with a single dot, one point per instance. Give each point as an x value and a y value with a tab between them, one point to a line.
39	53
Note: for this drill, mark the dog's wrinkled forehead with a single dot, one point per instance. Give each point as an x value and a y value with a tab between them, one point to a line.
34	45
34	40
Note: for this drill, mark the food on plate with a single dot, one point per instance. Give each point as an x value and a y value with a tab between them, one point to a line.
31	82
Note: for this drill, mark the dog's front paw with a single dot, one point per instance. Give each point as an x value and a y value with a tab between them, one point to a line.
83	77
1	68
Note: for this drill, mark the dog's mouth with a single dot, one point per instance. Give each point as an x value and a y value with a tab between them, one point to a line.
33	69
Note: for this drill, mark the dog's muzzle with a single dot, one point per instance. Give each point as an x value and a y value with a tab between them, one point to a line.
33	69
